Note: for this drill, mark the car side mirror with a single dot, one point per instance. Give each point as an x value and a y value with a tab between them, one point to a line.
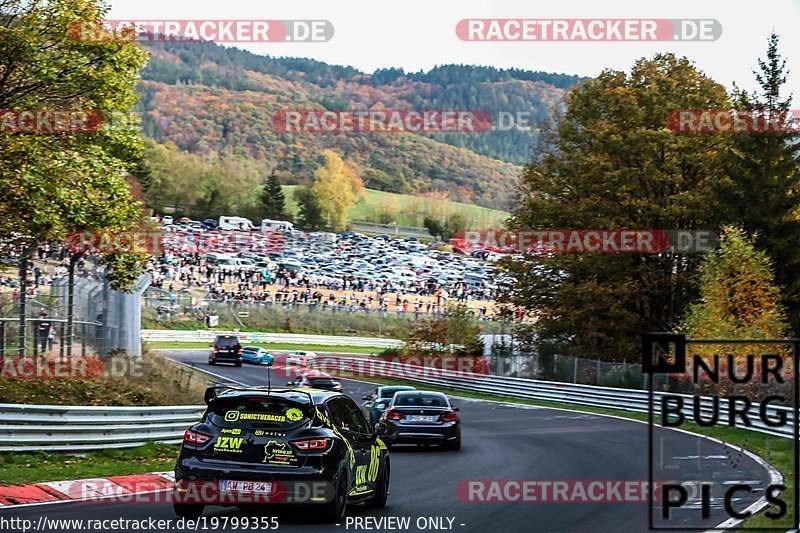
365	397
378	429
456	409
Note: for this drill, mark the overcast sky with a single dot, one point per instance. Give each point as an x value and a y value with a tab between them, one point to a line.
419	34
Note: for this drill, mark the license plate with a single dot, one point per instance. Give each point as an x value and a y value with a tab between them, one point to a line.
251	487
421	418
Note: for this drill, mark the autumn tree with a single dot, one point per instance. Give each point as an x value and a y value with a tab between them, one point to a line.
739	298
52	185
613	164
337	187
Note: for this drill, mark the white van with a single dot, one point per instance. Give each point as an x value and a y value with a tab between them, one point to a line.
166	220
235	223
276	225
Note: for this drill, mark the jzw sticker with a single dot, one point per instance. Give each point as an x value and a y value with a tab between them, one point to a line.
228	444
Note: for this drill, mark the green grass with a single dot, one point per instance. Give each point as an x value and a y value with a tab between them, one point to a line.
278	346
410	210
38	467
777	451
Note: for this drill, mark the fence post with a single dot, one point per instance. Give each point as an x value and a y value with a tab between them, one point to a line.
598	380
2	340
83	339
574	369
61	328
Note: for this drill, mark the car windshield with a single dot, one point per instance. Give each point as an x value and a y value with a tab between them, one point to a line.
388	393
273	412
230	341
420	400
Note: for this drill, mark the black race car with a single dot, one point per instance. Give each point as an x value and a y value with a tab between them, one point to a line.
288	446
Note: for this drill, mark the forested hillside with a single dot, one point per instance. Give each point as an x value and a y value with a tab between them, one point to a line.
207	99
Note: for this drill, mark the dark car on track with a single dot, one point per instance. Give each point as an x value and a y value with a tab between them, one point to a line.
422	417
276	444
226	349
375	404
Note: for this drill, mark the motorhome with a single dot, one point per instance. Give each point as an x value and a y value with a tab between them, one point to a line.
235	223
276	225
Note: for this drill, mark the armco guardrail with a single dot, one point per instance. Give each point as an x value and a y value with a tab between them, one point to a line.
156	335
631	400
69	428
27	428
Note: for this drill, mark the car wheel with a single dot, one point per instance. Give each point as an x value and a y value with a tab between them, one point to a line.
212	362
378	501
334	510
188	510
238	363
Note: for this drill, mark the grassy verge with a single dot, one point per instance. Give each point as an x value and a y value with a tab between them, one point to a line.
777	451
37	467
410	210
277	346
124	381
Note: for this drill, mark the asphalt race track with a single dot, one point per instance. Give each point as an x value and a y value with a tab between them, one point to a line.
499	442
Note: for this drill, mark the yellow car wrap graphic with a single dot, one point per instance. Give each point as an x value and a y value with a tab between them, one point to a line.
228	444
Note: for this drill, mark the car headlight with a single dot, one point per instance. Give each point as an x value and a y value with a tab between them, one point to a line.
380	406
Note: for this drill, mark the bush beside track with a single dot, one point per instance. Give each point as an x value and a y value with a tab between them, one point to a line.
150	381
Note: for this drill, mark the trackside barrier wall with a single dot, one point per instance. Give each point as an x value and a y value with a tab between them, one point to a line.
80	428
156	335
630	400
27	428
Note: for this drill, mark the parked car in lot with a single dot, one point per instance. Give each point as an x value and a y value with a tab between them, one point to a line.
375	404
422	417
256	355
253	444
226	349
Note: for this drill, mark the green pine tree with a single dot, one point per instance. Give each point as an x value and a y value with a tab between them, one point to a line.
765	178
273	201
309	210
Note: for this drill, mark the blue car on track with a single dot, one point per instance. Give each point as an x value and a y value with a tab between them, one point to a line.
256	355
